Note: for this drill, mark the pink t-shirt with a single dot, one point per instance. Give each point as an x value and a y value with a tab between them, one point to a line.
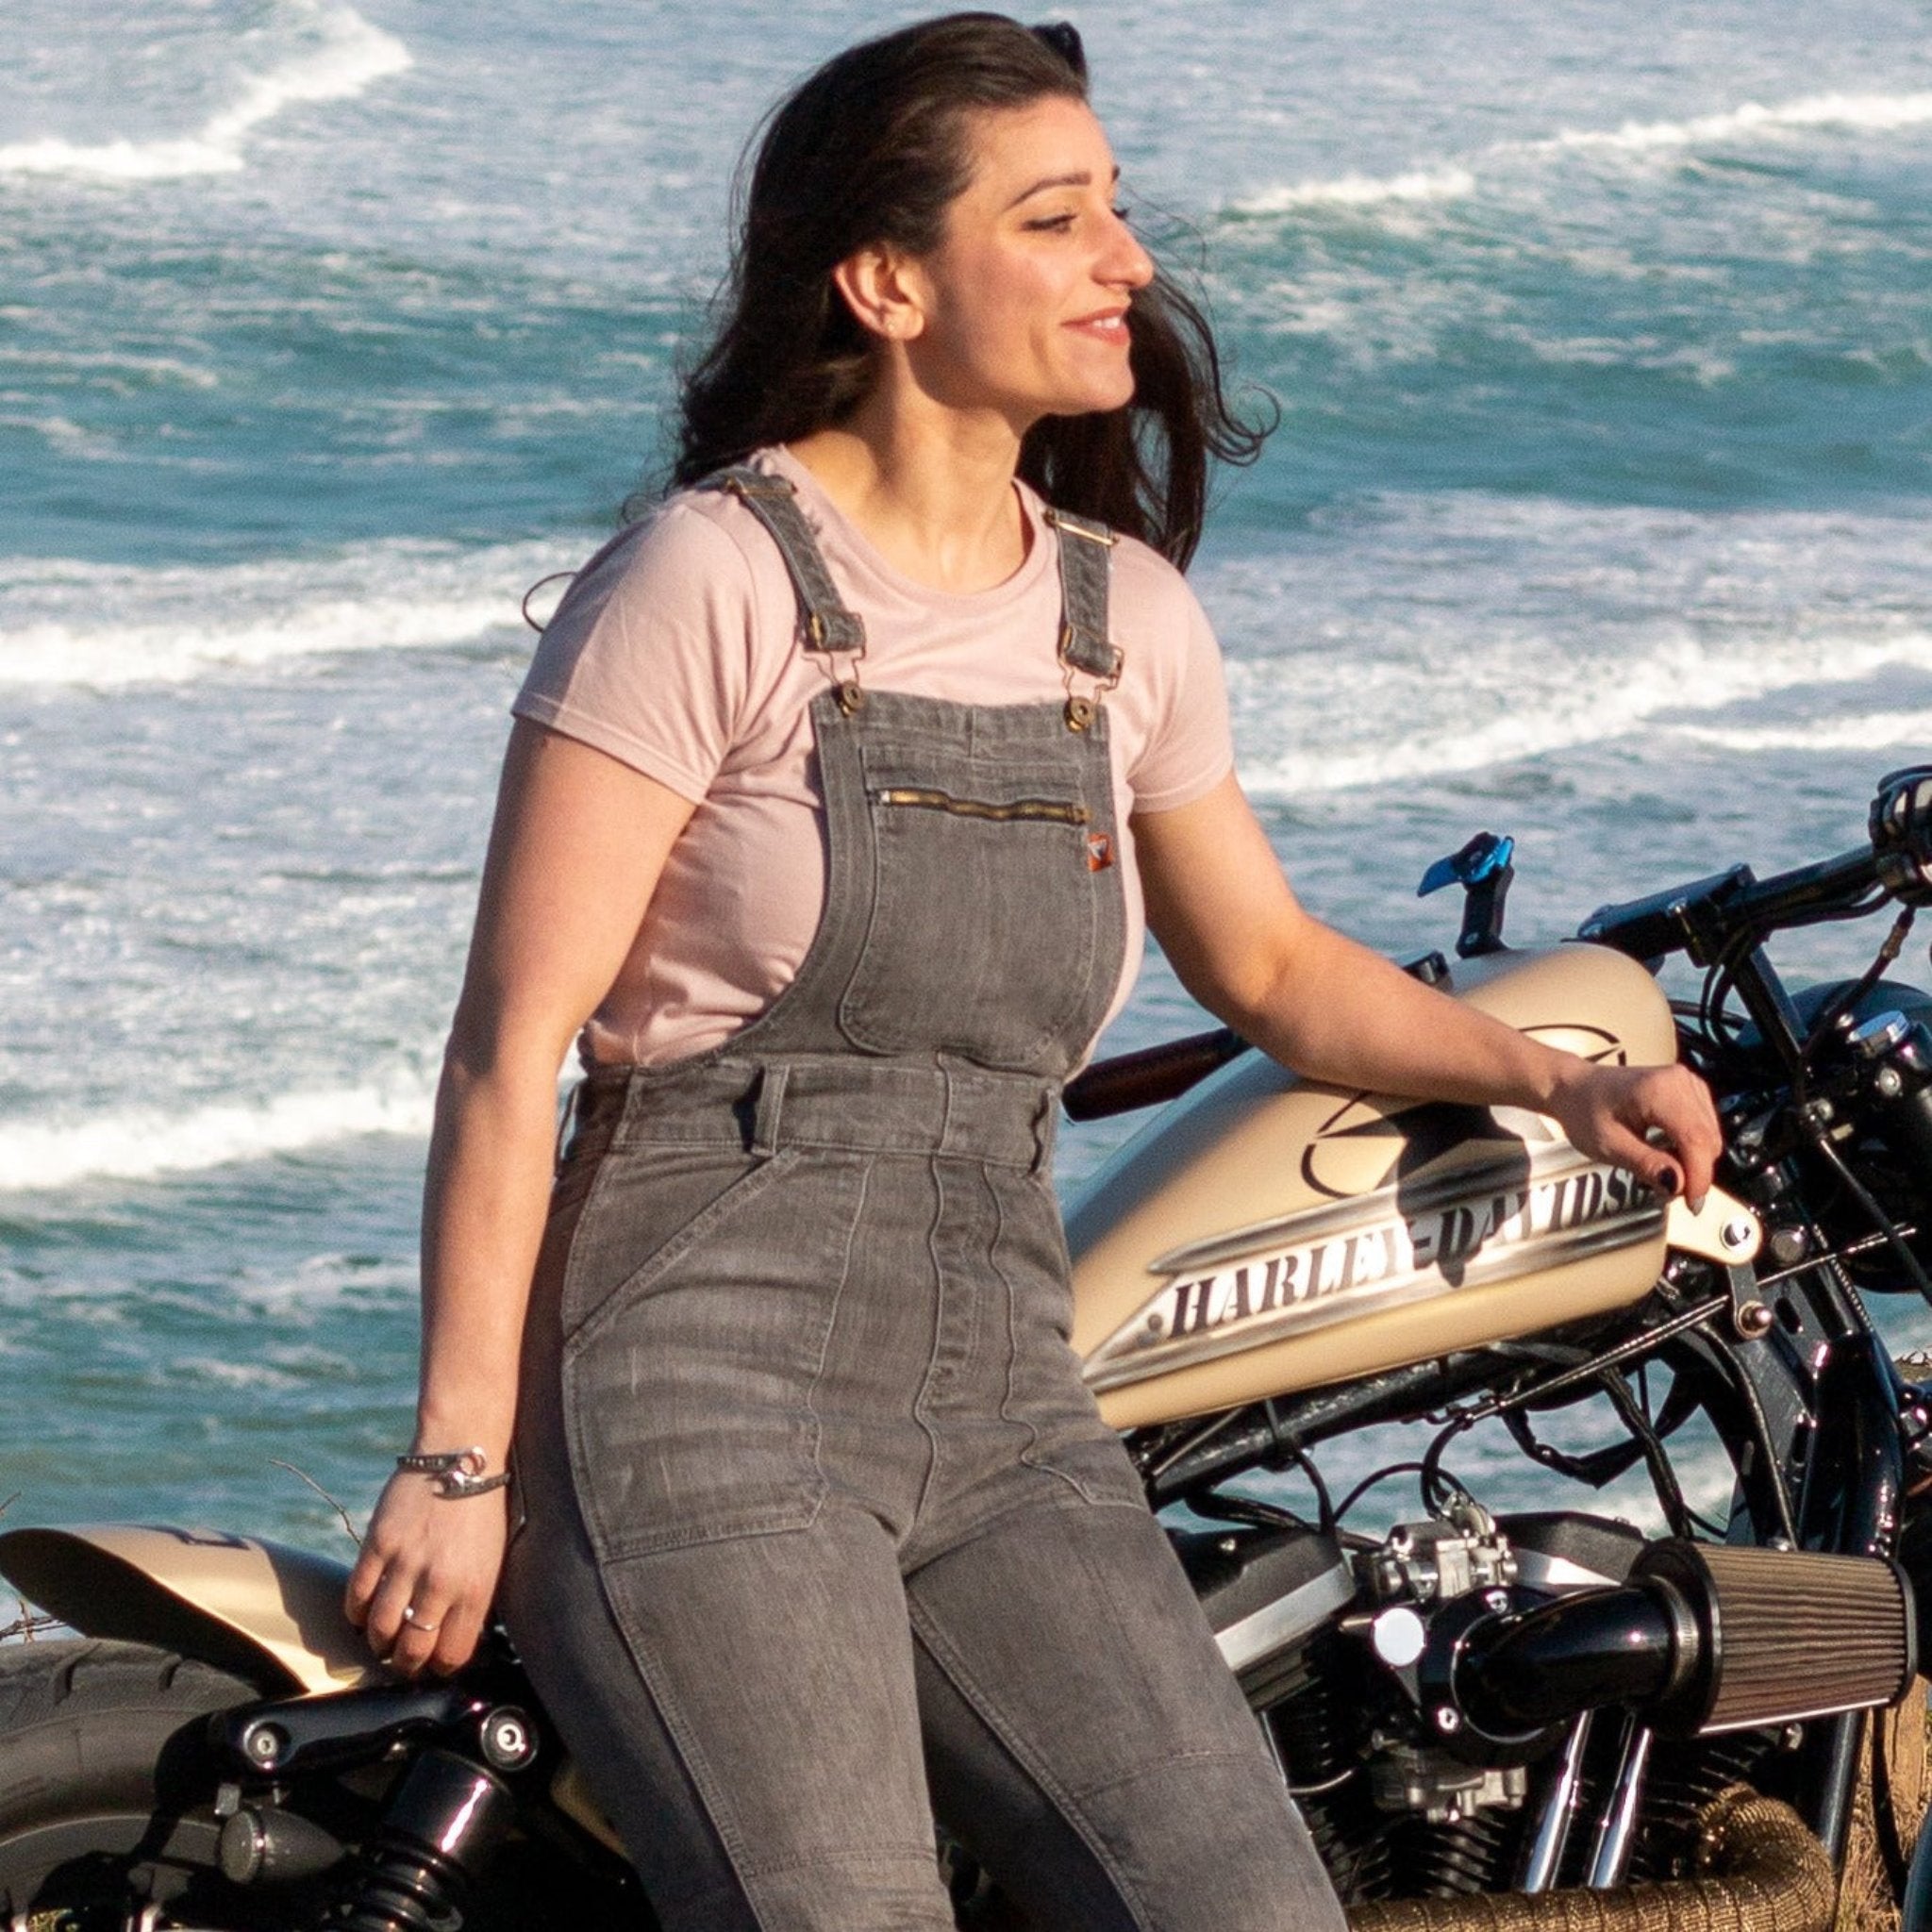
675	650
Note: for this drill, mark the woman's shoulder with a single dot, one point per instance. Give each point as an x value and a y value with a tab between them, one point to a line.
1147	587
694	539
660	649
691	572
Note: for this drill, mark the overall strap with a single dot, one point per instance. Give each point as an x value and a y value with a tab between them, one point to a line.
825	625
1085	644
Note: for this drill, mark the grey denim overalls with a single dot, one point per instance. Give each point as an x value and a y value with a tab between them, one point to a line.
821	1531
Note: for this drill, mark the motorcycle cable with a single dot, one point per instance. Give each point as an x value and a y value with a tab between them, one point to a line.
1698	1315
1227	1506
1373	1479
1646	1435
1818	1135
1737	955
1643	1343
1437	1482
1657	1463
1284	1449
1292	1452
1715	991
1848	1000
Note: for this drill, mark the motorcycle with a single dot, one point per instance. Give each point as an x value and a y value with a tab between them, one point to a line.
1489	1717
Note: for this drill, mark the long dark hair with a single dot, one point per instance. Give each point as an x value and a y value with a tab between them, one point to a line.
872	148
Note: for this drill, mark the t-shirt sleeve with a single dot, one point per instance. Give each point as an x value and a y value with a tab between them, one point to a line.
1190	748
648	655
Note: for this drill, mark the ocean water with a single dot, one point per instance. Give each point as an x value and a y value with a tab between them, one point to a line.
1602	339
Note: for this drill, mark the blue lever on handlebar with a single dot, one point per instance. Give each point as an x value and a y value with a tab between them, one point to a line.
1483	857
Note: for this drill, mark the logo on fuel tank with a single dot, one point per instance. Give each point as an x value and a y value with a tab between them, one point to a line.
1363	1146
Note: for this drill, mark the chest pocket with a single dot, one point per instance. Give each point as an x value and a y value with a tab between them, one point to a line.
984	921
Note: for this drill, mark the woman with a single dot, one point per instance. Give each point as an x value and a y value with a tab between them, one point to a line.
834	792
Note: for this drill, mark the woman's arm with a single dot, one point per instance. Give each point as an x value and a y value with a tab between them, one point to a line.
1330	1009
579	843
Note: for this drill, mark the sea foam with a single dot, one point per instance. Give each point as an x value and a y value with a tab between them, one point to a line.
1554	705
1872	113
1882	730
351	54
1362	190
144	1143
1869	114
102	626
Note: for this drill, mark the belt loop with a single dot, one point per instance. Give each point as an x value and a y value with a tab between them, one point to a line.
1046	1118
768	1109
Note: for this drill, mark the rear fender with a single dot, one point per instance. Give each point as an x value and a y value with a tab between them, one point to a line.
265	1611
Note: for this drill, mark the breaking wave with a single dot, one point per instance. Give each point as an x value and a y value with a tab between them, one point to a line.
1880	732
1362	190
1866	113
1652	688
351	55
142	1144
102	626
1872	113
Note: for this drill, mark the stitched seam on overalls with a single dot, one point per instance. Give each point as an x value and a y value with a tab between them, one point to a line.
571	1265
967	1685
1210	1753
811	1393
925	1855
738	1196
1030	1454
696	1765
969	1347
1000	1275
933	1455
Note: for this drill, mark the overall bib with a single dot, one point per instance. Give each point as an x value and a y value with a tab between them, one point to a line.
821	1532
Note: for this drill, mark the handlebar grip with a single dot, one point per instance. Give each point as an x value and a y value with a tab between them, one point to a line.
1152	1074
1902	834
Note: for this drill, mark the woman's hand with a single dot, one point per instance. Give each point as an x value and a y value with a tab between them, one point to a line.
578	847
1318	1002
1608	1111
422	1586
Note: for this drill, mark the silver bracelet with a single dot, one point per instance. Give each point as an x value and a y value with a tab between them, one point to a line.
457	1472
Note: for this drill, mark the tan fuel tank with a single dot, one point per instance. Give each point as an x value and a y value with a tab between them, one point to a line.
1265	1234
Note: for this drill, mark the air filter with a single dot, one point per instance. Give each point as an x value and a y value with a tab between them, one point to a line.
1783	1634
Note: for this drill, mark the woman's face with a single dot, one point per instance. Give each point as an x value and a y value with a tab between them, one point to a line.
1022	305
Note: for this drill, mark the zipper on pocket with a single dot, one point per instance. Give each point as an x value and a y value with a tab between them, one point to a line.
1052	811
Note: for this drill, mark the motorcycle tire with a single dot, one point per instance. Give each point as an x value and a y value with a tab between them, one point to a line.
106	1793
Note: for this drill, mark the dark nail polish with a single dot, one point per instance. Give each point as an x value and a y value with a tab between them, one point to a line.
1668	1179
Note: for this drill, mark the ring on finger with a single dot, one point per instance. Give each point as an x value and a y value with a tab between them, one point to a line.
416	1623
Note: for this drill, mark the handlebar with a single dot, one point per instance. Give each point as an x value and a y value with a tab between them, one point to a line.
1709	916
1706	916
1152	1074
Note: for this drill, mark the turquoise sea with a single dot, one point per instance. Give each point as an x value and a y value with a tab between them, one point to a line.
1602	338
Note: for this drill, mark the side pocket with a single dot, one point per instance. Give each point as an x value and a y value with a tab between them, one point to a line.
688	1388
662	1200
